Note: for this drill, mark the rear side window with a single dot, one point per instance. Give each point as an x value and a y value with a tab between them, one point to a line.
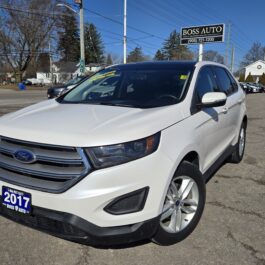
224	82
205	82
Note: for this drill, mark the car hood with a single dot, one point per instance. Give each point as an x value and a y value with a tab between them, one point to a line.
82	125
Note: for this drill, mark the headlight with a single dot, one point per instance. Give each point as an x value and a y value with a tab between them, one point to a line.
111	155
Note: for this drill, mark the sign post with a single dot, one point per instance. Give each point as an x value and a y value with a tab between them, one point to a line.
202	34
200	52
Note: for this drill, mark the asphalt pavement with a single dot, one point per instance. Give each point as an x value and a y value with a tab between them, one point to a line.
231	231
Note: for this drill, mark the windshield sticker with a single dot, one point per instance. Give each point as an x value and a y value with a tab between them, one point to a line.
183	77
101	76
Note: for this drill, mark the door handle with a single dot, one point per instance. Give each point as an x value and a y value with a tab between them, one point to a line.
225	110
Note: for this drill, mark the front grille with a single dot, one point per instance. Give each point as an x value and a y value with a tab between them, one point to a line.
55	170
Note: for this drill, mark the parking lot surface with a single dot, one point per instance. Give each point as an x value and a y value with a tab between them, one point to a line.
231	231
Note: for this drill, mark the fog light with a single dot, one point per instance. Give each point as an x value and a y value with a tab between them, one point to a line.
129	203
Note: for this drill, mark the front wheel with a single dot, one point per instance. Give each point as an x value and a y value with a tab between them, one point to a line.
183	205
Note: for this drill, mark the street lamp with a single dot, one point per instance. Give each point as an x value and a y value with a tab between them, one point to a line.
82	38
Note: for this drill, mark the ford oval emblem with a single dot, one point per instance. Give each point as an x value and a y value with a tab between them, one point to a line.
24	156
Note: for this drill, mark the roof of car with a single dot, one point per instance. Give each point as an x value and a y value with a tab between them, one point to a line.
156	64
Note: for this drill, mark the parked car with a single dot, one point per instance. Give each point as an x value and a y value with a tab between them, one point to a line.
35	81
56	91
128	165
244	86
260	87
254	88
27	82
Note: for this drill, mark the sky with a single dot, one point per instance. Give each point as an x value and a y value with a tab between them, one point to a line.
150	22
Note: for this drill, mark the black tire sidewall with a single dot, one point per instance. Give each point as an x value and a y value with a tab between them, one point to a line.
236	157
240	157
185	169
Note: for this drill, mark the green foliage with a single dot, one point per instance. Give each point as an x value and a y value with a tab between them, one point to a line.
136	55
249	78
94	48
69	42
172	50
159	56
241	78
262	79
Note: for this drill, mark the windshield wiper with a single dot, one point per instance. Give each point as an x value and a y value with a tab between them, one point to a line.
100	103
117	104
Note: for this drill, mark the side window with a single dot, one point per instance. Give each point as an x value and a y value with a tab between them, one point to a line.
234	83
224	81
205	82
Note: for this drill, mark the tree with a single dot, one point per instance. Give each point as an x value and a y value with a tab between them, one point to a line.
159	56
249	78
69	40
256	52
241	78
43	60
213	56
136	55
262	79
25	30
109	60
94	48
172	50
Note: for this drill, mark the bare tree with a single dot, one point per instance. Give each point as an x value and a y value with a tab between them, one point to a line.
213	56
256	52
24	32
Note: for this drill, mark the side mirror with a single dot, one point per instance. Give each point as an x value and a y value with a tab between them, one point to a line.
213	99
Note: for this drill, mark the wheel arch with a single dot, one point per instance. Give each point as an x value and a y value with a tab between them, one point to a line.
245	120
192	157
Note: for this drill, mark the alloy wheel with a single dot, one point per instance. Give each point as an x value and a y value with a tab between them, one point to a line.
180	205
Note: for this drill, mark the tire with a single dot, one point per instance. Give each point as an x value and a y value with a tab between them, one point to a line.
187	209
238	154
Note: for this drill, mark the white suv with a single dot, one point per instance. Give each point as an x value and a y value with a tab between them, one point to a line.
116	162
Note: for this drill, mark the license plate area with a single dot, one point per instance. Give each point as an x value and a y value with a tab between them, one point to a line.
16	200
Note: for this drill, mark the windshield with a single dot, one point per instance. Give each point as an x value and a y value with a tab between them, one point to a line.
143	88
74	81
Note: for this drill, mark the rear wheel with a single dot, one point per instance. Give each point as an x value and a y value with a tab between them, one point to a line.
183	205
238	154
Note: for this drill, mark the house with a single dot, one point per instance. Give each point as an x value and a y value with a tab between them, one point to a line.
93	67
90	68
60	72
256	69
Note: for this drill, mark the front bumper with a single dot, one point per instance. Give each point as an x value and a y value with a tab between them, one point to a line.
76	229
89	197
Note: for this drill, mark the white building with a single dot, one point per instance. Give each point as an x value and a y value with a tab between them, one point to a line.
256	69
90	68
61	72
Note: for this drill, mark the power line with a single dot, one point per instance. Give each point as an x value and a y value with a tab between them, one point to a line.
120	23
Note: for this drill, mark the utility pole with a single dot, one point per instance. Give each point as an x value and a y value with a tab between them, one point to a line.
125	33
50	55
232	58
200	52
228	43
82	39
